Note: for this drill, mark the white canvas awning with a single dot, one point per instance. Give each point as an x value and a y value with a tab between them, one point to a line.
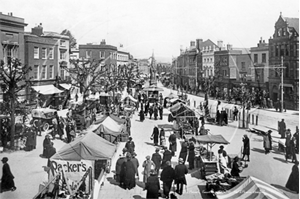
66	86
46	89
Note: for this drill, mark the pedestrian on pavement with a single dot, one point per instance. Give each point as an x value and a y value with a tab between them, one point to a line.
46	146
167	156
155	135
152	186
146	108
128	172
296	136
155	111
7	180
222	162
180	172
59	126
246	148
130	145
51	150
287	144
267	141
162	135
142	116
161	110
282	128
236	167
202	130
150	110
167	176
173	143
37	125
184	150
128	125
30	139
191	157
136	164
293	181
293	150
147	165
235	113
119	164
156	158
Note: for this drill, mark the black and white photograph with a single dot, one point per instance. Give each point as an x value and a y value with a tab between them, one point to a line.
149	99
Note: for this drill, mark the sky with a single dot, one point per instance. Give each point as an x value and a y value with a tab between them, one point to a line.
159	26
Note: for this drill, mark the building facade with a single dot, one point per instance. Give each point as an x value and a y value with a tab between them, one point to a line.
284	51
107	53
143	66
260	58
123	58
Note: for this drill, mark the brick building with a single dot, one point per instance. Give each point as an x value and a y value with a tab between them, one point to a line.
284	47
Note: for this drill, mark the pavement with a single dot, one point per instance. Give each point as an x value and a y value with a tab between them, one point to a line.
271	168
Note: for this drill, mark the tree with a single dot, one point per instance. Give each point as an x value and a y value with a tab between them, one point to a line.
72	42
85	74
14	79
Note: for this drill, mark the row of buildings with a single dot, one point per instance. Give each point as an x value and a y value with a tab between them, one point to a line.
228	67
45	52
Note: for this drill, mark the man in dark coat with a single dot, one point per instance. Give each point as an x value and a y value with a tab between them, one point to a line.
119	164
180	172
146	108
246	148
155	111
156	158
128	170
155	135
130	145
184	150
235	171
293	181
191	157
142	115
167	156
162	135
173	143
152	186
46	146
161	110
7	180
30	139
282	128
167	176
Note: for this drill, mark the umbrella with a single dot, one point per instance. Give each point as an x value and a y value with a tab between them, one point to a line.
153	88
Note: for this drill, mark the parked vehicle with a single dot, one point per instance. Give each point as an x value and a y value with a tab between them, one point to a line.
45	115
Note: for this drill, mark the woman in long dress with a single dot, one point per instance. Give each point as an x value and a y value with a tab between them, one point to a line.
293	181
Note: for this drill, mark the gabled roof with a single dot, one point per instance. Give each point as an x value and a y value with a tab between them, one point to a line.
293	22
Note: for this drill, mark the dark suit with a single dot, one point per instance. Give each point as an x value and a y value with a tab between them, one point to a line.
167	176
180	171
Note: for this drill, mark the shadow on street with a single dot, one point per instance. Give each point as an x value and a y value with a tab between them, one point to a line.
138	197
280	159
258	150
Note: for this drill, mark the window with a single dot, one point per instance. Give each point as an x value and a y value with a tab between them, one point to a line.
62	42
36	53
264	58
87	54
276	50
51	53
62	74
62	54
44	53
243	66
51	72
36	72
282	50
255	58
43	73
102	54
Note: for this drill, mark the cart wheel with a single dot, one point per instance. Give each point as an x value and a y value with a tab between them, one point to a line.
46	126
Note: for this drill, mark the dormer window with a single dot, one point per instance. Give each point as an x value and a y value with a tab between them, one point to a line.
278	32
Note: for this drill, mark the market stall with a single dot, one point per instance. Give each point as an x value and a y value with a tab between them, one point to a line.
209	160
77	167
253	188
110	128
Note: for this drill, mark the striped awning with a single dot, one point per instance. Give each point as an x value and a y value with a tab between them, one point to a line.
252	188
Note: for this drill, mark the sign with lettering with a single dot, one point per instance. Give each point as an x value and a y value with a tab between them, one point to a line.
73	170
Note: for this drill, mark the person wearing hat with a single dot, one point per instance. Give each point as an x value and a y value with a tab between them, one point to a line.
128	172
184	150
267	141
155	135
167	176
130	145
236	167
119	163
156	158
246	147
282	128
173	143
152	185
7	180
148	164
287	143
46	146
180	171
167	156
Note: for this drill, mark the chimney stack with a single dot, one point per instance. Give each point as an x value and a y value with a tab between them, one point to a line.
38	30
198	44
103	42
220	44
229	47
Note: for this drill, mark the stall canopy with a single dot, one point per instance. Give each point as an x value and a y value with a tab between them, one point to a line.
115	118
66	86
206	139
153	88
88	147
180	109
47	89
253	188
